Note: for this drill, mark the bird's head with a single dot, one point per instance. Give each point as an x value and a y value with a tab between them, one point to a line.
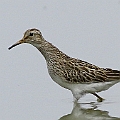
32	36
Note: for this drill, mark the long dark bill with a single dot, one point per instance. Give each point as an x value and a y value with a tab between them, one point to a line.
17	43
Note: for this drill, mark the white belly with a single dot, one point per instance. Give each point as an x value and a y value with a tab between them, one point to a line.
84	87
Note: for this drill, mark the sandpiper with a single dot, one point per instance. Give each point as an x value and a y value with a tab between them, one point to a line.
76	75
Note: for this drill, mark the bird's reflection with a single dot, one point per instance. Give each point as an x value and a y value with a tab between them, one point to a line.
80	113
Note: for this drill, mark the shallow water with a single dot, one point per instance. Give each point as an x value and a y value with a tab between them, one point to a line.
30	98
90	113
88	108
30	101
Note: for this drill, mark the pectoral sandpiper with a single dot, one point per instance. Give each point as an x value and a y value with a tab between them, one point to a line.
76	75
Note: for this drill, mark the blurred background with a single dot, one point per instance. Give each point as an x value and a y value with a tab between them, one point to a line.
88	30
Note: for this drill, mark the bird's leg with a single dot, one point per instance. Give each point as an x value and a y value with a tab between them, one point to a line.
100	99
75	100
77	95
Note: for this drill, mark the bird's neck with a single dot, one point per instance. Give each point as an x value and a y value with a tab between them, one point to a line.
49	51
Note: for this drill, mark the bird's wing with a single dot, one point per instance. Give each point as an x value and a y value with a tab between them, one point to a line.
78	71
112	74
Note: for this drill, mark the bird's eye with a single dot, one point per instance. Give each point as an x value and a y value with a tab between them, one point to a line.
31	34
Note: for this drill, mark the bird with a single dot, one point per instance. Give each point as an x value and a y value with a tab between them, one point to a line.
78	76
